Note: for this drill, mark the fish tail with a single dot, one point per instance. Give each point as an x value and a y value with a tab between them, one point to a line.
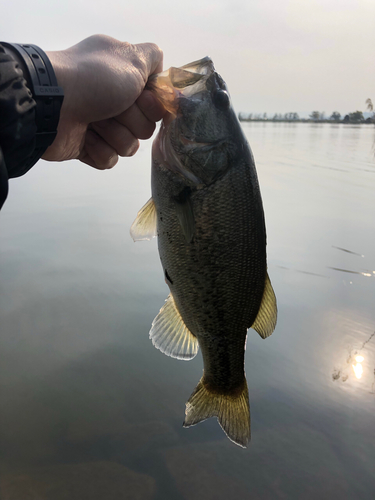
232	411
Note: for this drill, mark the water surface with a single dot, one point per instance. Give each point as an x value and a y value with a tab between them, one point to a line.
90	409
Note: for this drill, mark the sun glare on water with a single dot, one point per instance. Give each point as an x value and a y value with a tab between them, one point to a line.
358	369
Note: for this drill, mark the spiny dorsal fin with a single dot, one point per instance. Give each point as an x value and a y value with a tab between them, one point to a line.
170	335
265	322
232	411
145	225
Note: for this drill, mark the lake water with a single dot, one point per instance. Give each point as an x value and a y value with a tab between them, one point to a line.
89	409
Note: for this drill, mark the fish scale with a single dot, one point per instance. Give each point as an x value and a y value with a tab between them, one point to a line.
214	272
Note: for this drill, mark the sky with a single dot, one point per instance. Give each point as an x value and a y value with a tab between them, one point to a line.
276	56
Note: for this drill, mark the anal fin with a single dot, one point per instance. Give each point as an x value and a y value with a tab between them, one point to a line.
170	335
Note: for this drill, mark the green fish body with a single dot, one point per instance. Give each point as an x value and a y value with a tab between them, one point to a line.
207	212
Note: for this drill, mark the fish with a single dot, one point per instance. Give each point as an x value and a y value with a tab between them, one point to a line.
206	210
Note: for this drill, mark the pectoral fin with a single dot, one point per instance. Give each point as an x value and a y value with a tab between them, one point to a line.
145	225
265	322
170	335
185	214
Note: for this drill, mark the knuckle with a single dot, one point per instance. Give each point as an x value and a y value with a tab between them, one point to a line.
156	49
146	57
126	49
101	41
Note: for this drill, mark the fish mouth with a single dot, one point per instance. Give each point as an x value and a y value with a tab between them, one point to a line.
185	81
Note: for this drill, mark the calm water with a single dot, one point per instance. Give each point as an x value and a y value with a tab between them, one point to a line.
91	410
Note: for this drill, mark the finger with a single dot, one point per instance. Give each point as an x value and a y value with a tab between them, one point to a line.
150	106
118	136
135	121
97	152
152	57
85	158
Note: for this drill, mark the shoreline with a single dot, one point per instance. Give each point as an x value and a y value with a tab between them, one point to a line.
307	120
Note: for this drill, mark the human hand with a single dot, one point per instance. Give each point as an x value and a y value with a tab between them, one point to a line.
106	108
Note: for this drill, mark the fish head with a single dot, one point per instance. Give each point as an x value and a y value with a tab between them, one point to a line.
200	137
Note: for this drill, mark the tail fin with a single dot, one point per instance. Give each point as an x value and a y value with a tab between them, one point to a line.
232	411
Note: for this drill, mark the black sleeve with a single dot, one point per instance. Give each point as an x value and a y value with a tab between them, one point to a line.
3	180
17	122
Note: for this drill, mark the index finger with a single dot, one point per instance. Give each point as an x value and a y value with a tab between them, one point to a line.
152	56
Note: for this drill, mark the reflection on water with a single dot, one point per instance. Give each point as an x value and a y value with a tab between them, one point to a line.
355	360
369	275
348	251
358	370
90	409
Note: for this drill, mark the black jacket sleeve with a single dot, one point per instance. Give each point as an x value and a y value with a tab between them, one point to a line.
17	122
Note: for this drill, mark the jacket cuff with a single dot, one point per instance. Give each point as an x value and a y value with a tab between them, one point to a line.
3	180
17	118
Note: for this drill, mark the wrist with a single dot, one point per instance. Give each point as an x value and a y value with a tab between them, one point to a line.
62	67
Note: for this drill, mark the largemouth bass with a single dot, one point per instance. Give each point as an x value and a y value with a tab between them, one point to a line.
207	212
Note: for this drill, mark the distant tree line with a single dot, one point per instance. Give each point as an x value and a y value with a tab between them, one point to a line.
277	117
315	116
354	117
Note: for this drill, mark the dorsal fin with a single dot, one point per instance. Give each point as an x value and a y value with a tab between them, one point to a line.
145	225
170	335
265	321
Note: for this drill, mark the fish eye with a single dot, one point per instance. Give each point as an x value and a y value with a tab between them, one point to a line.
221	99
